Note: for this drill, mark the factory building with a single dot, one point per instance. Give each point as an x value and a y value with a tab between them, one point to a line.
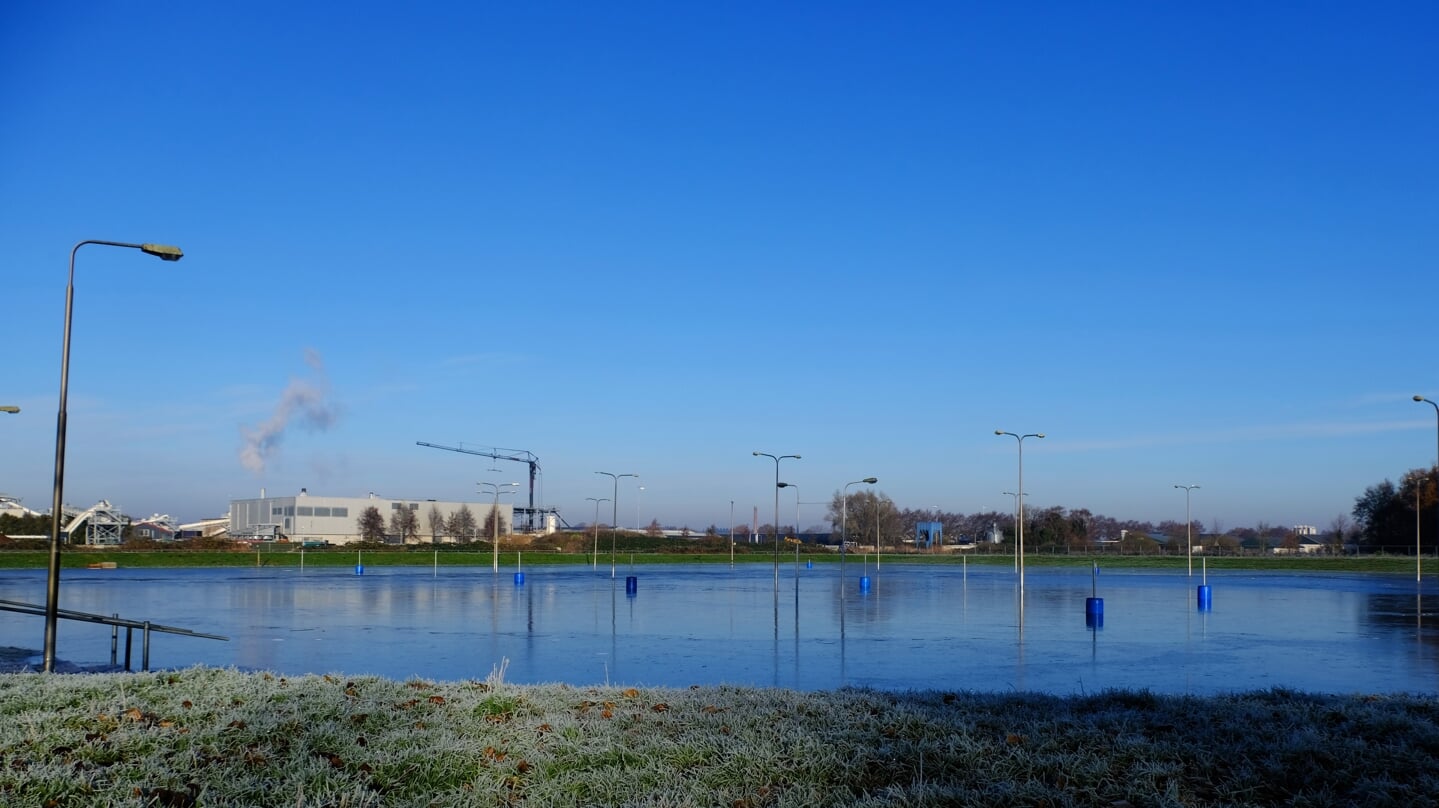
336	520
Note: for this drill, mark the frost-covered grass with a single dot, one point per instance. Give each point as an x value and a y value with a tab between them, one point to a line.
222	738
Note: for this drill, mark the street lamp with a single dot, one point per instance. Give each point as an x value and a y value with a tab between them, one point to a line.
1418	564
1019	501
595	559
844	525
52	588
9	409
495	536
1188	527
614	513
777	485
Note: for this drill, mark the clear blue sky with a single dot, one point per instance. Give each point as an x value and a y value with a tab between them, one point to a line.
1192	244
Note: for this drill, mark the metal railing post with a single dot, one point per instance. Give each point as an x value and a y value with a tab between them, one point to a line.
145	649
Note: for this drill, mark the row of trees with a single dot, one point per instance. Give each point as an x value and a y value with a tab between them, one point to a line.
461	525
871	518
1387	517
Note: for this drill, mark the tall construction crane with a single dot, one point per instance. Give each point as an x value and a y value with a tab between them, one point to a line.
517	455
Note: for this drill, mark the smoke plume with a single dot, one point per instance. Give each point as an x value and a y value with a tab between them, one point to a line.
304	404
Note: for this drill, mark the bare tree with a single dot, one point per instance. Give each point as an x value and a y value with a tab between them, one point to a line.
371	525
436	521
1339	528
461	525
494	525
404	522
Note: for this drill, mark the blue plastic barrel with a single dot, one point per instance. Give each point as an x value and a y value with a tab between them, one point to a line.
1206	598
359	569
519	579
632	585
864	583
1094	612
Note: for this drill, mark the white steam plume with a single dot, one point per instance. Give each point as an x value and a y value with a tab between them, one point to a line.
302	404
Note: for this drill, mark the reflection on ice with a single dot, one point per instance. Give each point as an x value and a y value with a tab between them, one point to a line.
916	627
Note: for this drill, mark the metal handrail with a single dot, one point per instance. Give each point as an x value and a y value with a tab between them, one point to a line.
116	622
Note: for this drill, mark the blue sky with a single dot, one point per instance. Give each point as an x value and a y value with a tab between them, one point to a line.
1190	243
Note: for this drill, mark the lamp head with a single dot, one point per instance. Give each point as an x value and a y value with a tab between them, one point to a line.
786	485
870	480
1039	435
163	251
756	454
999	431
1418	398
9	409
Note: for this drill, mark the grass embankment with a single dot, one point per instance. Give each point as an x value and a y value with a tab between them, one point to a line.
222	738
288	555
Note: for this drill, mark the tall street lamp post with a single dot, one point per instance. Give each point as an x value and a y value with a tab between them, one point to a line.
1019	500
731	534
1188	527
844	525
595	559
52	589
614	513
1419	568
776	459
639	525
495	535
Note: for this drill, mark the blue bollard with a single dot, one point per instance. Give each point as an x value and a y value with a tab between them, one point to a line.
1206	598
1094	612
519	579
632	585
359	569
864	583
809	565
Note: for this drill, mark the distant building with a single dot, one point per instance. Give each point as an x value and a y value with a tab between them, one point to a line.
12	506
308	518
204	529
157	527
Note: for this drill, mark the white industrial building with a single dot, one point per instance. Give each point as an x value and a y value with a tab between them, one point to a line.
309	518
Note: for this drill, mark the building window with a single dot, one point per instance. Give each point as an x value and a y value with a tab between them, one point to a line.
322	511
277	511
414	506
343	512
304	510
